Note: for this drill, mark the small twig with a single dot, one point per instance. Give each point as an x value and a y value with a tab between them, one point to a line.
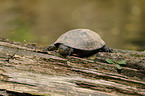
11	57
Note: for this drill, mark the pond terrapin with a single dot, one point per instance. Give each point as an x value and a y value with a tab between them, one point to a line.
79	42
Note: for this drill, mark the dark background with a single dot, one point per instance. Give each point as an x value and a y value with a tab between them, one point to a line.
120	23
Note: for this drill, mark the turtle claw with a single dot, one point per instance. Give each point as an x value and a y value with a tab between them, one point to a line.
70	51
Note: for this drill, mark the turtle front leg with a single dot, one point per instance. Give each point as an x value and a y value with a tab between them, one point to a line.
65	50
106	49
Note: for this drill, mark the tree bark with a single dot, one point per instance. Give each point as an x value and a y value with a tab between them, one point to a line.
26	69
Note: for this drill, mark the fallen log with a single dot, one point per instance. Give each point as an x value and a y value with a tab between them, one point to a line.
25	69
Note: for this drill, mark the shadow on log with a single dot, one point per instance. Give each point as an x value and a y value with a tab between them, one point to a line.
26	70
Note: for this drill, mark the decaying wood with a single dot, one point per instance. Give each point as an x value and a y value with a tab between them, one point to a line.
25	69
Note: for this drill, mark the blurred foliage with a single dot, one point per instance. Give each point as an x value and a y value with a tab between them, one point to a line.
21	31
119	22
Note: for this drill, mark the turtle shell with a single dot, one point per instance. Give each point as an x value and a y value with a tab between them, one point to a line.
83	39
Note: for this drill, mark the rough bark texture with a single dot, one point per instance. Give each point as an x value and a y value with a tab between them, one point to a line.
26	70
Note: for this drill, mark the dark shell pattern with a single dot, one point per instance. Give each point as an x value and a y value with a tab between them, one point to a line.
83	39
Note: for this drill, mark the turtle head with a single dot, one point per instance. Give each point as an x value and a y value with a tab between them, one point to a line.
51	47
